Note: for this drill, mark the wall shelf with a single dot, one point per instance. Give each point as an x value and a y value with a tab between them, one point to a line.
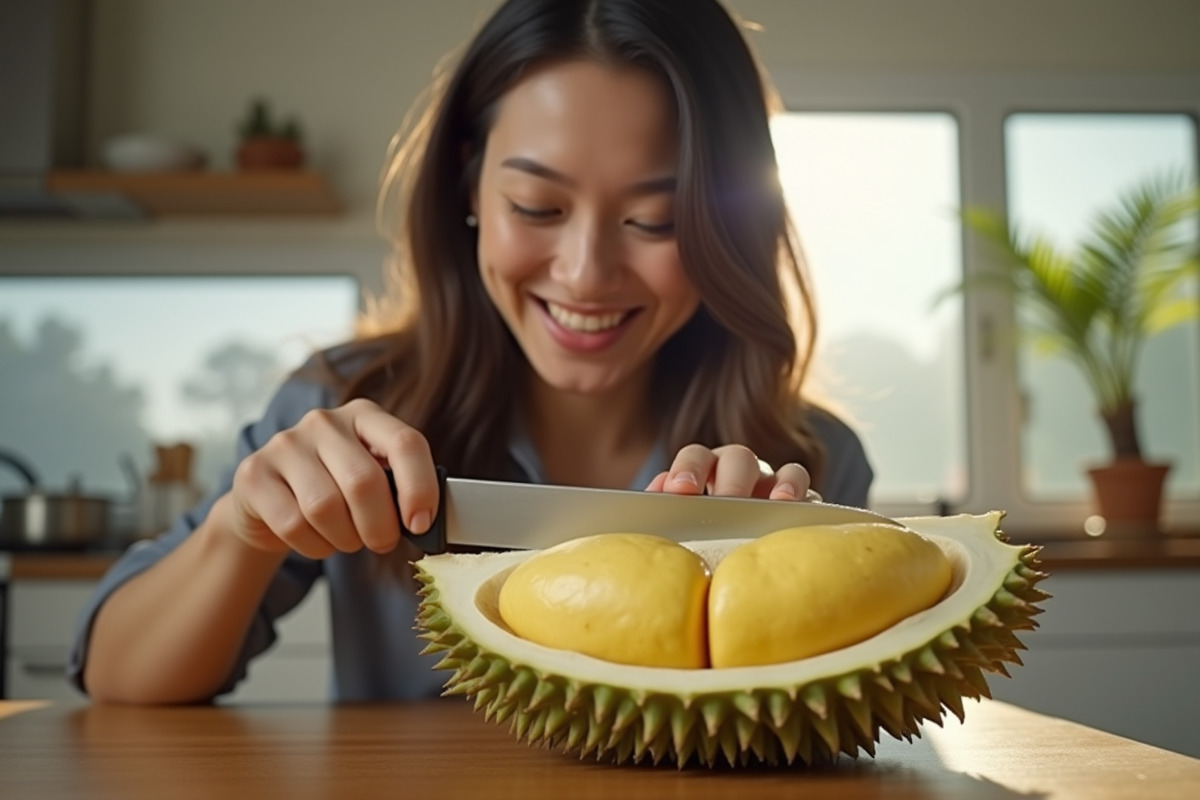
196	194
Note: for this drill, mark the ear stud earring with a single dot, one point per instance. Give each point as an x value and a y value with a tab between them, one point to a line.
472	221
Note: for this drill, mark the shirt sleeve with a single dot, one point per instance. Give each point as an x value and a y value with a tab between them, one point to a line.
848	473
290	584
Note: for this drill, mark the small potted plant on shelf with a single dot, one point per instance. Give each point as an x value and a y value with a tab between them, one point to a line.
266	145
1125	282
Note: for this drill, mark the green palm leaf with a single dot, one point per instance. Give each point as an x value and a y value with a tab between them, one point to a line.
1170	314
1130	278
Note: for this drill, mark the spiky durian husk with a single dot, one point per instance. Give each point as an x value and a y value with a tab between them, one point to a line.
811	723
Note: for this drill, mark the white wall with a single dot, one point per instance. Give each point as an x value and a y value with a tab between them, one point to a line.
977	34
351	69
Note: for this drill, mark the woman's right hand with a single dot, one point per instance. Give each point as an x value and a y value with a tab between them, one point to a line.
319	487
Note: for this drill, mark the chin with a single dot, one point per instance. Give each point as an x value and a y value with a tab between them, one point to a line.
573	382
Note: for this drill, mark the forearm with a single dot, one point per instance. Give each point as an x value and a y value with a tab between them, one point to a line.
173	633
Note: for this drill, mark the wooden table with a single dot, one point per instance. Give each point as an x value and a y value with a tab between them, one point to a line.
441	750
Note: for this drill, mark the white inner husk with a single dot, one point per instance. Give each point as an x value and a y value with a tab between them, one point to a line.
469	585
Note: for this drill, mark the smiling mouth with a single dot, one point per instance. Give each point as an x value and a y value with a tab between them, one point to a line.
585	323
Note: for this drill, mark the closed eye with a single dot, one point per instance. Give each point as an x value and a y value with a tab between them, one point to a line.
535	214
662	229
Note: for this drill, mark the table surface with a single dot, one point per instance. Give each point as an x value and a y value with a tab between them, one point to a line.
441	749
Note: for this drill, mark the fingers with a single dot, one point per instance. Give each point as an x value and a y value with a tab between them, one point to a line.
659	481
319	487
316	493
792	482
271	519
407	452
371	518
732	471
690	470
739	473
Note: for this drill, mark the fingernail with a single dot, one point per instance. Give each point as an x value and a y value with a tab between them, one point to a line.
784	489
419	522
685	479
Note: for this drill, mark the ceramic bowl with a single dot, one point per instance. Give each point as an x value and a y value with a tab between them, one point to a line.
136	152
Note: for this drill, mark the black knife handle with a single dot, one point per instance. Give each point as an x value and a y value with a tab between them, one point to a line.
433	541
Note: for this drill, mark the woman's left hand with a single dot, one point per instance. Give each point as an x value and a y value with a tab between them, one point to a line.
732	470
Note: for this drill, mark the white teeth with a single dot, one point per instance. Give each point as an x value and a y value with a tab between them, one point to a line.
587	323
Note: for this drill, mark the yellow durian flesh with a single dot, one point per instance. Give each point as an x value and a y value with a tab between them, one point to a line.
639	599
800	592
628	598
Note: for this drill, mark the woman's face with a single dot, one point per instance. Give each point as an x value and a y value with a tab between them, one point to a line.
576	222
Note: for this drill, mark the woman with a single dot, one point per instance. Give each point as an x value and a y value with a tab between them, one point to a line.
598	288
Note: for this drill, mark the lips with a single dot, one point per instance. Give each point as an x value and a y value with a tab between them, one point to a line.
584	323
584	331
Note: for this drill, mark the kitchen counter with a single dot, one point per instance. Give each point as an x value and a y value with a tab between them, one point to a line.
443	749
1174	552
59	566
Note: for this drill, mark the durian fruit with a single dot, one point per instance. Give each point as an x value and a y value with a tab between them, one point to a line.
807	710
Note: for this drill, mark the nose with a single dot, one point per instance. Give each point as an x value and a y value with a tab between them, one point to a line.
588	261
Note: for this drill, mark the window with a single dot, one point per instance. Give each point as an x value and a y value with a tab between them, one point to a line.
874	198
1049	148
1062	169
97	367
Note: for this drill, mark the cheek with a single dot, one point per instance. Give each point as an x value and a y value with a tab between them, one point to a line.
667	280
508	250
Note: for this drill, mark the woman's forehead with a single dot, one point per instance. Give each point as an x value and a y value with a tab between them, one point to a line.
590	116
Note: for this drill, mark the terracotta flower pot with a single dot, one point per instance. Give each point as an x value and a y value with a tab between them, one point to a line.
269	152
1128	493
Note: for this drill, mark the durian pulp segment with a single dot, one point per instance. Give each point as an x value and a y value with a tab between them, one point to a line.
800	592
628	598
469	587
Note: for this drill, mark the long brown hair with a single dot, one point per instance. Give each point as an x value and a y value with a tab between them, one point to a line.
443	359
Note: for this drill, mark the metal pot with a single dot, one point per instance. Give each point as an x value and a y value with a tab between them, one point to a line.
41	520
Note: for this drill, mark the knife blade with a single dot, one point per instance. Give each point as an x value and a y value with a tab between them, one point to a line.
498	515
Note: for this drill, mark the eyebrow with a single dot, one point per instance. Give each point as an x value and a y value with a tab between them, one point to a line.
539	170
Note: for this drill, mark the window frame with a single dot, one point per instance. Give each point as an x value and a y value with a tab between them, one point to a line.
981	101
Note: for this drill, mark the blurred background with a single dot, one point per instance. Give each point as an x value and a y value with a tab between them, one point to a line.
156	282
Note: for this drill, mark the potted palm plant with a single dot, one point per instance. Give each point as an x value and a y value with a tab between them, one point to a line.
1129	279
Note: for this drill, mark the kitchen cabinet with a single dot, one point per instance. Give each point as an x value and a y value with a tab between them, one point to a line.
1118	650
43	613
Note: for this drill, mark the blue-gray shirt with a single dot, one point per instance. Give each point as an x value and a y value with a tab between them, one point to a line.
375	650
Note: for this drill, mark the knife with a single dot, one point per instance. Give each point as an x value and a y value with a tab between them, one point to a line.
497	515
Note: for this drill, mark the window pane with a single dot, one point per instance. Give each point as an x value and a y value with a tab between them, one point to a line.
96	367
1062	170
874	199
